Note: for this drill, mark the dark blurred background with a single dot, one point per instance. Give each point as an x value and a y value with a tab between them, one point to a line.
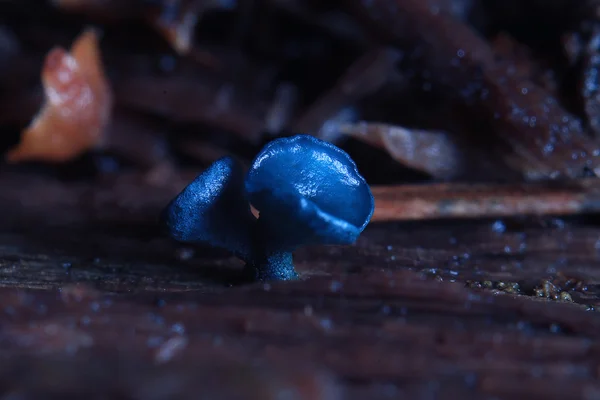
413	90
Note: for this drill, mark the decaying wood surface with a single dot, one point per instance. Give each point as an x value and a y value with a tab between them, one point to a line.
112	309
457	290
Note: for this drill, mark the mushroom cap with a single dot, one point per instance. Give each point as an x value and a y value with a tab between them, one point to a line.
309	192
213	209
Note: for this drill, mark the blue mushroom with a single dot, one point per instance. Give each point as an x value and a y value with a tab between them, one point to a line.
307	192
213	209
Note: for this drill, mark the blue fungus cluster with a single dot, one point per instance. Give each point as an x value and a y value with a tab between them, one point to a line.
307	192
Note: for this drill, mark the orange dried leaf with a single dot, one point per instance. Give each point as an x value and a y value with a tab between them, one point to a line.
77	106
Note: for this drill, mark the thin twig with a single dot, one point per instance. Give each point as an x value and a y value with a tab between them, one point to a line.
445	201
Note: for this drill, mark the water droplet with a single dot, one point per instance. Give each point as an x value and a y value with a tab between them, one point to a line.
532	121
499	227
548	148
178	328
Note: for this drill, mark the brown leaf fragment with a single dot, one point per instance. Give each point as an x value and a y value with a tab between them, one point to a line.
434	153
77	105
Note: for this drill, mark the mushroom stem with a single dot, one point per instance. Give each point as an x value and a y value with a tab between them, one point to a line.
276	266
269	259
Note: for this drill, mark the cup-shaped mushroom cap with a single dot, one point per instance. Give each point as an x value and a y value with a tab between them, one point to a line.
309	192
213	209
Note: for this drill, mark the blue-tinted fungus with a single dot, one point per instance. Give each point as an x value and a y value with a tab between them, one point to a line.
307	192
213	209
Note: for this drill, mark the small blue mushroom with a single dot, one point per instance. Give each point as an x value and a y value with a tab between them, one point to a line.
307	192
213	209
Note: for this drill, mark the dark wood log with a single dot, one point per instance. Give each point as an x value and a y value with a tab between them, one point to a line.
112	309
